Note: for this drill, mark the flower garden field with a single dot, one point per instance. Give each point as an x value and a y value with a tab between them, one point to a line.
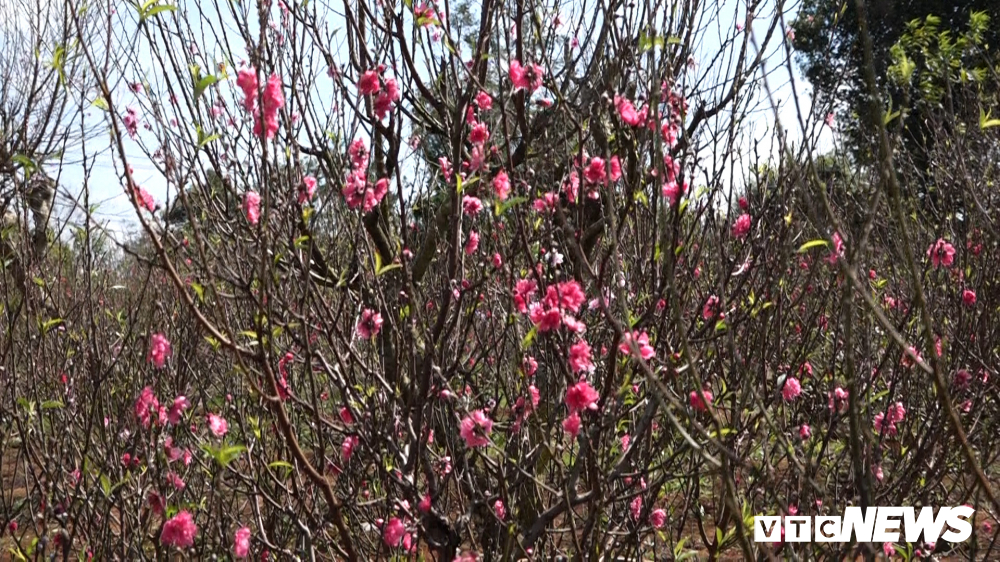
509	280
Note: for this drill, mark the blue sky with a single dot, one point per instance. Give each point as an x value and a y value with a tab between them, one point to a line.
116	211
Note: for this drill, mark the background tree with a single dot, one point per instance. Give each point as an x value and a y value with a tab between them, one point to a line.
828	49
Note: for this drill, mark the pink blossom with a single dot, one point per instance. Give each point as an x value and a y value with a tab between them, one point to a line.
382	106
131	122
524	291
791	389
658	518
838	249
179	531
369	325
159	350
742	226
251	206
711	308
274	100
500	510
144	199
830	120
673	192
217	425
359	154
425	504
595	171
393	532
472	243
446	170
155	502
969	297
176	481
497	261
347	447
641	341
177	409
527	77
580	360
907	359
805	431
615	168
471	205
241	542
307	190
897	412
571	424
529	366
581	396
484	101
838	400
568	295
476	428
696	401
368	83
881	424
480	134
672	168
345	416
627	111
635	507
941	253
545	319
246	80
501	185
146	406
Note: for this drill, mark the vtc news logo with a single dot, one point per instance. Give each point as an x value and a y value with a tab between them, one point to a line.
878	524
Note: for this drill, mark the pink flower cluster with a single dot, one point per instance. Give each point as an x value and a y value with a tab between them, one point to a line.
179	531
357	191
385	90
579	397
527	77
641	341
159	350
476	428
265	118
554	310
148	409
941	253
888	421
369	325
251	206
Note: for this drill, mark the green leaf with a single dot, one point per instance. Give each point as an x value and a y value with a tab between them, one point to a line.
200	85
526	342
28	164
100	103
105	485
813	244
199	290
501	208
389	267
225	454
49	324
51	405
203	140
229	454
147	12
647	42
985	122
